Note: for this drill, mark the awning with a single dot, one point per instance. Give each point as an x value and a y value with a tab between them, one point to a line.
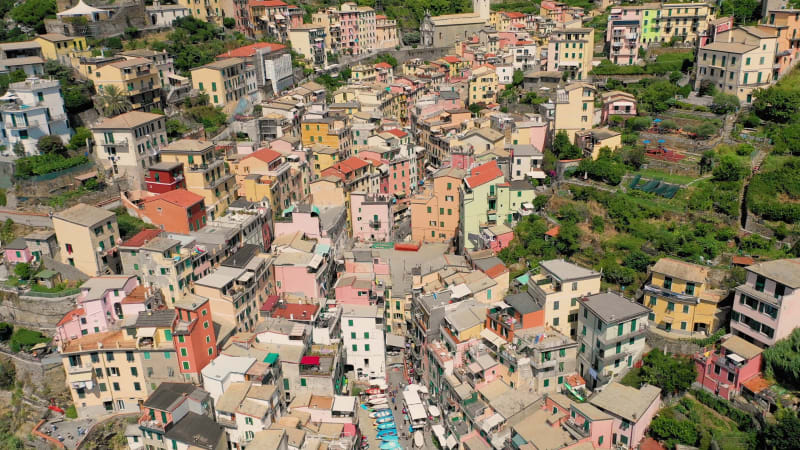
394	340
309	361
411	398
287	211
271	358
417	412
146	332
493	338
81	9
492	422
523	279
434	411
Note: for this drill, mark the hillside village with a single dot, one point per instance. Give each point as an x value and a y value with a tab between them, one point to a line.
233	225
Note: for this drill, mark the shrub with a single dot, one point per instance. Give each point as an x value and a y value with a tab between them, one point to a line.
30	166
598	224
24	339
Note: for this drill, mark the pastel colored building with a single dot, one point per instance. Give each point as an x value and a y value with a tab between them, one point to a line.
99	307
17	251
302	273
88	237
680	298
618	103
478	201
194	335
786	22
34	108
766	308
570	51
136	78
164	177
64	49
483	85
574	109
177	211
129	143
519	312
725	370
632	411
372	217
623	35
226	81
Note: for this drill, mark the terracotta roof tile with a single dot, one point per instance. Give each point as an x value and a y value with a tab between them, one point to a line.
141	238
397	132
77	312
483	174
383	65
180	197
265	154
250	50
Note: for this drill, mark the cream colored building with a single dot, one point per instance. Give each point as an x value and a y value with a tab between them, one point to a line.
570	51
483	85
129	144
205	172
574	109
738	62
558	287
309	41
87	238
226	81
137	78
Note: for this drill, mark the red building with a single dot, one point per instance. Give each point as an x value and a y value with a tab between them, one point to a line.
725	370
165	177
193	335
178	211
517	312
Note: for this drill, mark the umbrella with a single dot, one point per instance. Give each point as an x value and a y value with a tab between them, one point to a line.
656	120
646	141
661	141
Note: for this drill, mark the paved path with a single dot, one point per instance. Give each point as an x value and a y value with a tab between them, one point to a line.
32	219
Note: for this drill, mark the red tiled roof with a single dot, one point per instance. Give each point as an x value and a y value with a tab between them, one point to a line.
518	25
744	260
383	65
180	197
553	232
512	14
350	164
380	17
295	311
649	443
499	269
77	312
576	380
265	154
272	300
452	59
137	295
141	238
250	50
267	3
757	384
483	174
397	132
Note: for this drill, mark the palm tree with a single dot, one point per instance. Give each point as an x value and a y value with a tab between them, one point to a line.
113	101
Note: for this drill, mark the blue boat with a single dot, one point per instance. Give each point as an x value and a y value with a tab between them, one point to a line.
387	426
390	445
390	437
387	433
384	419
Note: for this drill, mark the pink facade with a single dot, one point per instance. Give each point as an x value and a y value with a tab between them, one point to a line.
618	107
99	307
348	24
635	432
400	176
371	217
725	377
297	280
501	241
462	160
622	35
765	310
308	223
21	255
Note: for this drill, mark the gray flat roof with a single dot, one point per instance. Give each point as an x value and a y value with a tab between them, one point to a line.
566	271
83	214
613	308
784	271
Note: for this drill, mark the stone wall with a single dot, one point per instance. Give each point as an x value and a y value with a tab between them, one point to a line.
34	312
44	379
670	344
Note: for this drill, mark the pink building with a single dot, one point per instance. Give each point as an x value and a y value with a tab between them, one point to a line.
631	409
371	216
303	218
400	180
724	371
622	35
767	307
497	237
618	103
348	24
101	307
302	273
18	252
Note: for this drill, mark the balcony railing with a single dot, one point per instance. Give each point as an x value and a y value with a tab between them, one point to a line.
74	370
23	125
147	422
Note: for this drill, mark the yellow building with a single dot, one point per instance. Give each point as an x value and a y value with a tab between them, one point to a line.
207	11
332	132
680	298
364	73
483	85
592	141
136	77
113	371
88	237
570	51
64	49
574	109
225	81
205	172
323	157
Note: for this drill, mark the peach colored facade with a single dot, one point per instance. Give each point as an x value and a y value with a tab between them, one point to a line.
436	211
99	307
787	23
372	217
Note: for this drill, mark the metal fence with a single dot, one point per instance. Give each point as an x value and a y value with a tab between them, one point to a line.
54	175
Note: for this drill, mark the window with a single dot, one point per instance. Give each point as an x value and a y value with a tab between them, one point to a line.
353	335
134	372
667	282
546	383
303	382
186	365
689	288
760	282
115	386
555	305
350	322
556	321
137	386
653	300
670	306
355	347
366	347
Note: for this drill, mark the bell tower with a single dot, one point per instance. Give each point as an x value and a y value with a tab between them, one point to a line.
481	8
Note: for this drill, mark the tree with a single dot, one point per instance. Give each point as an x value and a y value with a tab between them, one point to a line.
671	374
706	161
411	38
78	140
229	22
743	11
23	271
707	87
518	78
564	149
787	139
657	96
729	169
7	374
113	101
634	156
7	231
777	104
19	149
476	108
637	260
387	58
724	103
674	431
33	12
568	239
782	435
598	224
6	330
782	360
51	145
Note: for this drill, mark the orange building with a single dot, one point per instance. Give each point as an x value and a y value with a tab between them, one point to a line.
435	212
517	312
195	340
260	162
786	22
178	211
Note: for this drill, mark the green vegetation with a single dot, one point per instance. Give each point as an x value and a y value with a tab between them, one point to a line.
212	117
664	64
128	224
782	360
8	374
658	174
524	7
23	339
61	199
78	140
743	11
71	412
194	43
672	374
782	435
33	12
13	77
30	166
562	148
689	422
409	13
775	194
608	167
77	94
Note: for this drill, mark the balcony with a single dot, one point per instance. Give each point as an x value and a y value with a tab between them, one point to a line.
607	342
544	364
23	125
375	224
146	422
76	370
608	359
210	164
575	430
228	423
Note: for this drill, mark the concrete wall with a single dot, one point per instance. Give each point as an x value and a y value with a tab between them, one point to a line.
34	312
656	338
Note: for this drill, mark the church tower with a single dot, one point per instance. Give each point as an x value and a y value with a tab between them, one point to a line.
481	8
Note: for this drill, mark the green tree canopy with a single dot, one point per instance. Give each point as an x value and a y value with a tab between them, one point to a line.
564	149
51	145
778	103
671	373
33	12
729	169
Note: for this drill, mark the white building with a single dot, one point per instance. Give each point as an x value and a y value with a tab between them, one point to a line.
362	334
245	408
129	143
526	161
505	73
32	109
224	370
162	16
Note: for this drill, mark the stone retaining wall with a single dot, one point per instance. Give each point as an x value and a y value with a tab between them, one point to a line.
34	312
